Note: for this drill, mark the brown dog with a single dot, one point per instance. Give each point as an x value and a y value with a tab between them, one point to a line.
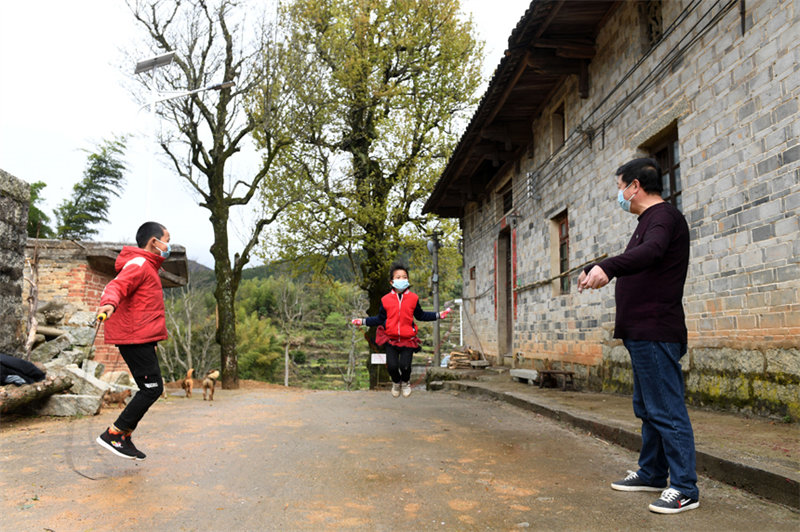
209	383
109	398
187	383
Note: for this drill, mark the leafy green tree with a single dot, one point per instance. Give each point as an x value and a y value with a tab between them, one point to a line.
38	221
386	83
88	206
259	296
259	346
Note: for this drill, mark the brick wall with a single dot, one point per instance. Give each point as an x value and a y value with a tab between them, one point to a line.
14	199
733	101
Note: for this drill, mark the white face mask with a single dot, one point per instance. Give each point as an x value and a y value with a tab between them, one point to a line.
624	203
400	284
166	252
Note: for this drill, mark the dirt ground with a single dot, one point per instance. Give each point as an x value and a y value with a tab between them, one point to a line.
267	458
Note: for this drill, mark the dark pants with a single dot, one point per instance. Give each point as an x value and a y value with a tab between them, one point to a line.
398	362
143	363
667	437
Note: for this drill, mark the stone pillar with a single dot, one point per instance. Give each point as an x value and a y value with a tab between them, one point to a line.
14	200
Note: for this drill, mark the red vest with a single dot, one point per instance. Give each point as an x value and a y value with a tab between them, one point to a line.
400	327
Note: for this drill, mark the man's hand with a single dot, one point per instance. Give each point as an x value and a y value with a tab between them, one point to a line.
108	310
357	322
596	278
443	314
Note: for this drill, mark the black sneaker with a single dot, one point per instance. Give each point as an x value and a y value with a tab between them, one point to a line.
139	454
633	483
673	502
119	444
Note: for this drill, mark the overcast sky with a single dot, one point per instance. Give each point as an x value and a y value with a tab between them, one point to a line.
62	93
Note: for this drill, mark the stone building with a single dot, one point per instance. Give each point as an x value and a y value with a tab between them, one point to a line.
72	276
14	200
709	88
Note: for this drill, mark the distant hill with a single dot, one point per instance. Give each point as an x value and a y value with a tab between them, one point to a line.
195	266
202	277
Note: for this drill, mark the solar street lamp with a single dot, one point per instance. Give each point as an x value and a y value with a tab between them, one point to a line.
150	65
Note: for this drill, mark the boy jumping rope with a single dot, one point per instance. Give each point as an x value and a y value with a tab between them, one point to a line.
396	329
133	304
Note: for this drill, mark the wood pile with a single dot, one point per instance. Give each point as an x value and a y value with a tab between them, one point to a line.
12	397
463	360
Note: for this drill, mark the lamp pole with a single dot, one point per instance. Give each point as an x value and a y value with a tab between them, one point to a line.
150	65
433	248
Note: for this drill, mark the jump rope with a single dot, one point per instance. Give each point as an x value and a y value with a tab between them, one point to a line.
99	319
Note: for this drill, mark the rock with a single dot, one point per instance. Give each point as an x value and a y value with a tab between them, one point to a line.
53	311
783	361
82	318
82	383
71	405
436	385
118	377
82	336
49	350
38	339
68	357
93	368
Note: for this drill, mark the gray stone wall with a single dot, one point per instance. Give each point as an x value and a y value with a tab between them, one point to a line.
14	199
733	100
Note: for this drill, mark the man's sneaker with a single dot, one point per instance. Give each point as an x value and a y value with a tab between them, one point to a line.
673	502
633	483
139	454
406	389
395	389
119	444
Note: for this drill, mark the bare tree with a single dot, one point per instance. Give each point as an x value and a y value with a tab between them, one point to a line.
359	307
33	299
191	333
214	41
291	311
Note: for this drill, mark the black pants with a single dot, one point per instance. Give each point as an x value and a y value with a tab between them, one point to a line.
398	362
143	363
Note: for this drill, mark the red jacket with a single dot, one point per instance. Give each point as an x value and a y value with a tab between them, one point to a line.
138	299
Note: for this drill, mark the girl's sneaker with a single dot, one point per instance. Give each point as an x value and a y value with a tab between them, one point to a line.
395	389
406	389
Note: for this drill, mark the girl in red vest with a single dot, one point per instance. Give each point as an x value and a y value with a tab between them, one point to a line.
396	329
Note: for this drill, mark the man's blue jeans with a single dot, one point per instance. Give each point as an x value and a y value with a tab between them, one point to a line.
667	437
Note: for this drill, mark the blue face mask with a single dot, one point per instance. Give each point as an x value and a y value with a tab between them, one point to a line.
166	252
400	284
624	203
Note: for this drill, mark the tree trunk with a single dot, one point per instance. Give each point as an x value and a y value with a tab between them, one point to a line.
286	363
224	293
374	270
12	397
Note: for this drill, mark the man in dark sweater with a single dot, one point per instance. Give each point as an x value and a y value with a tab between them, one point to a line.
650	321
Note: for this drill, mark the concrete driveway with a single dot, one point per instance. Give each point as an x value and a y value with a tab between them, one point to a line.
267	458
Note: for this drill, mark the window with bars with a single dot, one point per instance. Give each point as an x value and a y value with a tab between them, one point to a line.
652	21
505	200
562	225
667	154
559	127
